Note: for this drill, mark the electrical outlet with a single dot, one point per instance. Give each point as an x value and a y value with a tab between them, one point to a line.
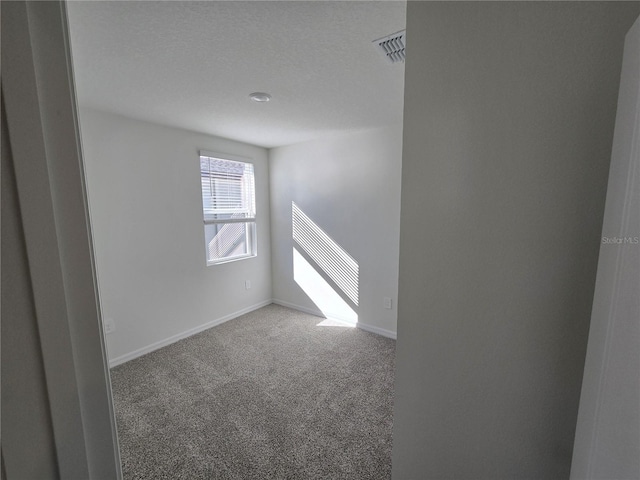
247	284
386	301
109	325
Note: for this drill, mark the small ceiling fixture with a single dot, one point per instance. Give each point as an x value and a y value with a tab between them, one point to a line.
260	97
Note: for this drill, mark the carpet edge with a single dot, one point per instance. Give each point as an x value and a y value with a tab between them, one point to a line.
362	326
187	333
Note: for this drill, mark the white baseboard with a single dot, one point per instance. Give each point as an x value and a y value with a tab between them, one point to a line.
377	330
163	343
362	326
310	311
175	338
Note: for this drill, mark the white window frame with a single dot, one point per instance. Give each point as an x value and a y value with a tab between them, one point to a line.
249	221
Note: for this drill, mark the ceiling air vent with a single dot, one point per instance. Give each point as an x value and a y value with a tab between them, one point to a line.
392	46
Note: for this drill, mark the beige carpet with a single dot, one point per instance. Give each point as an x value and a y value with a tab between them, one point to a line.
269	395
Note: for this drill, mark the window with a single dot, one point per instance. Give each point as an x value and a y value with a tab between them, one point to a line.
228	207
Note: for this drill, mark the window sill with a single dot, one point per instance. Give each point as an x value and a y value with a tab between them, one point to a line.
229	260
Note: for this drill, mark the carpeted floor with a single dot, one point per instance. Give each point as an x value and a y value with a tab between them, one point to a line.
269	395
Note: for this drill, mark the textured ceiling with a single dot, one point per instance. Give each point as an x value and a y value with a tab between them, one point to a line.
192	65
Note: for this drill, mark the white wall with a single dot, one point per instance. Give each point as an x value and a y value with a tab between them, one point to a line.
349	185
508	125
607	441
143	182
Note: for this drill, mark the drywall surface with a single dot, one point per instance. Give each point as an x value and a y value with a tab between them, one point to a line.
143	183
607	441
508	126
349	187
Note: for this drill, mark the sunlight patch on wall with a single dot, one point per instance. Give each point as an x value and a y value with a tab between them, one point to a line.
334	261
330	303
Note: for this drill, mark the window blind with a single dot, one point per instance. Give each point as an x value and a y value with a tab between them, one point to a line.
228	190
